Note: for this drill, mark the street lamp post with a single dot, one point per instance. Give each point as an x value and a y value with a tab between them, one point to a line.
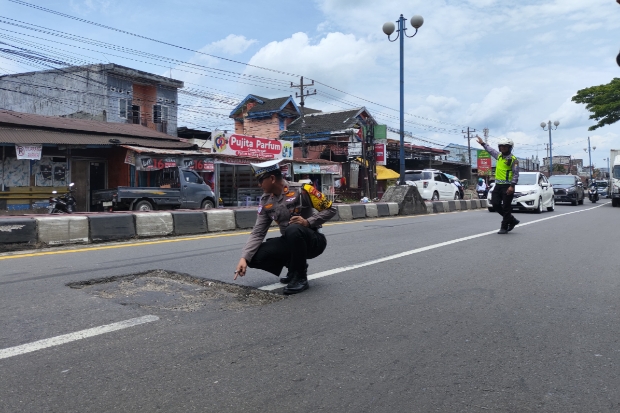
543	125
590	156
388	28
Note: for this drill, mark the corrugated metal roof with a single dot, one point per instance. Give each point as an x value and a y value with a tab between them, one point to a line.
40	136
160	151
8	117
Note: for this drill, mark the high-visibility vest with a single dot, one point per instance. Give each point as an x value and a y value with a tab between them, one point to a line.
503	169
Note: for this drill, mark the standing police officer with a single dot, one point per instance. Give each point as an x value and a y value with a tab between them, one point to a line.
506	177
291	206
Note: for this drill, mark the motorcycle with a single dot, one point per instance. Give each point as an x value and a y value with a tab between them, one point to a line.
63	204
482	194
593	194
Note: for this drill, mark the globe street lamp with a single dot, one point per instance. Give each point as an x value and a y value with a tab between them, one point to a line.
590	155
388	28
543	125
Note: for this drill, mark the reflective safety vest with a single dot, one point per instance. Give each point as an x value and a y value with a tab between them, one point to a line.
503	169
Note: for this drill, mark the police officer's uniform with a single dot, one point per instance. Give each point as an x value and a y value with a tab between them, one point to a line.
297	243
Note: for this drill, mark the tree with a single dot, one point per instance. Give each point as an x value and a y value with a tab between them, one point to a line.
602	101
558	167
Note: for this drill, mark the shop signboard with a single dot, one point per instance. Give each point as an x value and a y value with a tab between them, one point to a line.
335	169
380	153
199	165
380	132
130	157
306	168
252	147
32	152
151	163
355	149
484	160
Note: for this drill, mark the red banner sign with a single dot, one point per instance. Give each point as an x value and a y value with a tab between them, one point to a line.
380	153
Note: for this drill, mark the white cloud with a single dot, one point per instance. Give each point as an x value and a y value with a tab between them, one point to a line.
336	59
571	115
231	45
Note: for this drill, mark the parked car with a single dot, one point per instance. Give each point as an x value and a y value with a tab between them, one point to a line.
567	188
176	188
532	193
432	184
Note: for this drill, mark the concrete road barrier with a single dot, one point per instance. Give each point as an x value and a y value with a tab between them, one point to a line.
245	218
393	208
371	211
440	206
358	211
483	203
383	209
475	203
464	204
111	227
62	229
189	222
344	213
452	206
221	220
154	224
18	230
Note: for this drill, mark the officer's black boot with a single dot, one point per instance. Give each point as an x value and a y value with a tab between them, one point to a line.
298	283
513	224
288	277
503	230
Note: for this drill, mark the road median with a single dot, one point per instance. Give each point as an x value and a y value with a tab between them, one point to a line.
38	231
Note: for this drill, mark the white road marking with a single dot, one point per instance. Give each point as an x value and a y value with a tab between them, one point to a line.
78	335
322	274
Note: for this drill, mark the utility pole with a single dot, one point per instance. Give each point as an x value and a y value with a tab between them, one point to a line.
303	94
468	137
485	132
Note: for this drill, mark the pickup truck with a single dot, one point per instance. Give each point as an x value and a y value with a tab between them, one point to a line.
176	188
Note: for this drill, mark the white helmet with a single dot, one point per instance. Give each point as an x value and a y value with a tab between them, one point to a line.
506	141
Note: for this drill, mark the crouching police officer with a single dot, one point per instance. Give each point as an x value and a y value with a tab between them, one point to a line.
291	206
506	177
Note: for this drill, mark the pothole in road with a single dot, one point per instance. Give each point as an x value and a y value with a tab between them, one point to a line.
166	290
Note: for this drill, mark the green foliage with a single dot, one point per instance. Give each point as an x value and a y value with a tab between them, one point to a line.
559	168
602	101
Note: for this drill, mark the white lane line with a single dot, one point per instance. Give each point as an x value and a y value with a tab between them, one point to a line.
78	335
322	274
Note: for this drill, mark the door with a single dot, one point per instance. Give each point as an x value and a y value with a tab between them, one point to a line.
547	192
446	187
97	175
80	176
192	190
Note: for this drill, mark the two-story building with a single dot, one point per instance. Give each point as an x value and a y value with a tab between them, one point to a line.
102	92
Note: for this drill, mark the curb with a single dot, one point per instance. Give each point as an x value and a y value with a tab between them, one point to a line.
48	230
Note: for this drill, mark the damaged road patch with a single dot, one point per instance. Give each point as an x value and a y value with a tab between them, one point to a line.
171	291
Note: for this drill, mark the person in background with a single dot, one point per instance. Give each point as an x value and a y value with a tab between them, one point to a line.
506	178
482	187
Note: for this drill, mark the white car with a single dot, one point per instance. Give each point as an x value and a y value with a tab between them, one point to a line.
533	192
432	184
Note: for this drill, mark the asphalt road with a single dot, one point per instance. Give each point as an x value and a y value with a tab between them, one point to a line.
455	319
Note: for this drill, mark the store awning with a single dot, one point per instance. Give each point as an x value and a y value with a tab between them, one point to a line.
386	173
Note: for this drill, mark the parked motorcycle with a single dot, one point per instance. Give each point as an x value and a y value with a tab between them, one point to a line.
63	204
593	194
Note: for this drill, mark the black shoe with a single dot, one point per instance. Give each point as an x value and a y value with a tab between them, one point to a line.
289	276
513	224
503	231
298	284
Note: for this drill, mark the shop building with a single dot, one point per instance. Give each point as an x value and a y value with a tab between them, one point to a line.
40	154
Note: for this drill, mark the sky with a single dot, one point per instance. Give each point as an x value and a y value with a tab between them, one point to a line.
497	64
